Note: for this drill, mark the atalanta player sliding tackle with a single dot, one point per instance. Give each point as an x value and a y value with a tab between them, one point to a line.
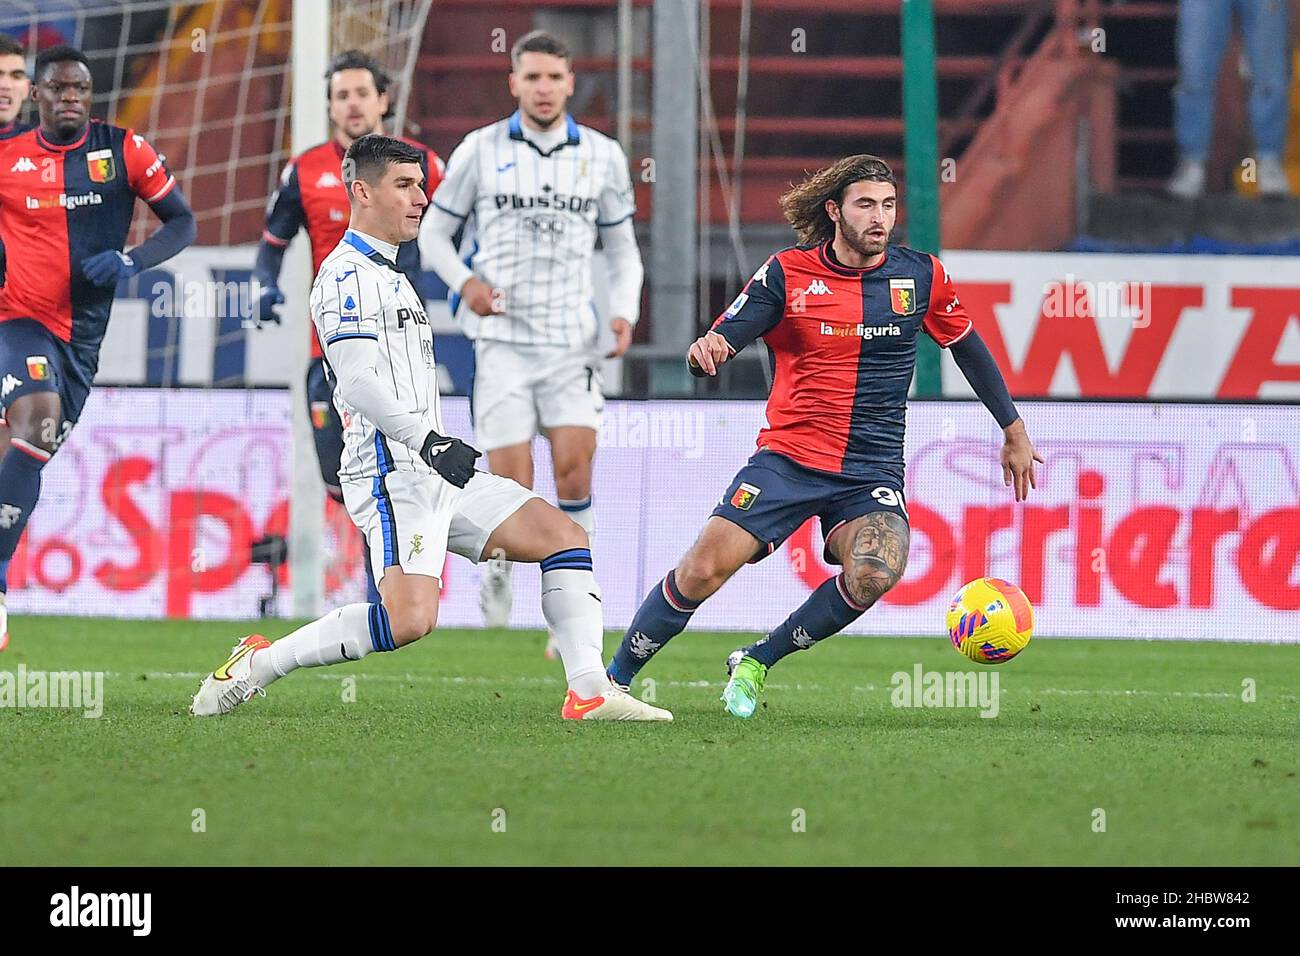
67	192
311	196
410	488
840	313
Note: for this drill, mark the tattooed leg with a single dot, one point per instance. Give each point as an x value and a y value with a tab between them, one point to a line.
877	555
873	550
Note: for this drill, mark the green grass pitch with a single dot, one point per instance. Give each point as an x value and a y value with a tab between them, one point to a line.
453	753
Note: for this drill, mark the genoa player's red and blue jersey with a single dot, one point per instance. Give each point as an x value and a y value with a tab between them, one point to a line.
843	346
60	205
312	195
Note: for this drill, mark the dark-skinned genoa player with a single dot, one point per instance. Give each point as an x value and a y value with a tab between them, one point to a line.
67	194
840	313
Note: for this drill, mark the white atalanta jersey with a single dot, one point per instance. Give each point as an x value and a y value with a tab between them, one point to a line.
532	212
359	294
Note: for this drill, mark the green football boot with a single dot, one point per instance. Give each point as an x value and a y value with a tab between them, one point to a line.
746	683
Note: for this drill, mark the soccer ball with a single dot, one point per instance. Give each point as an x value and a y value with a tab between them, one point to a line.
990	621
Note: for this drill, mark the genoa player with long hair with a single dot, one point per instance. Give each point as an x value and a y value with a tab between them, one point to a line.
841	313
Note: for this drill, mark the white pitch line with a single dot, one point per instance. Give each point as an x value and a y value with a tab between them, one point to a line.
704	684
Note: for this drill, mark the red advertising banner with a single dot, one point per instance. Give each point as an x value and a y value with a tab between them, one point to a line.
1149	520
1129	326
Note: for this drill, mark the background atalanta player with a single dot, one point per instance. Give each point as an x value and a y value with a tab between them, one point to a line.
535	191
67	193
311	195
840	313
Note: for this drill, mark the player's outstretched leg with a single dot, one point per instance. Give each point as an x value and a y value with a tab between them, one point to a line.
32	442
873	551
539	532
346	634
720	551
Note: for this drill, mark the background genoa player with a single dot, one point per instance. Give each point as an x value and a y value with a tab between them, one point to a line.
840	313
67	194
312	195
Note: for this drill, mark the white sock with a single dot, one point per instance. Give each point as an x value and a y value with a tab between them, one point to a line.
571	606
346	634
582	513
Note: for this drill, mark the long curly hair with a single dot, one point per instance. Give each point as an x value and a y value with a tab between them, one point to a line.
804	206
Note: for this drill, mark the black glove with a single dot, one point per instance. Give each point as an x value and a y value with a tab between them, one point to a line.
269	297
450	457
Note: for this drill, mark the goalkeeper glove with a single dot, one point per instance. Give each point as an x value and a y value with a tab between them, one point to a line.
108	268
450	457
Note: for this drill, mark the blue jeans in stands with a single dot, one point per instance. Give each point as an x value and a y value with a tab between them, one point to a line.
1204	28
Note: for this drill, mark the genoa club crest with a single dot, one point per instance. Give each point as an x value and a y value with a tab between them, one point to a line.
744	496
99	163
38	368
902	296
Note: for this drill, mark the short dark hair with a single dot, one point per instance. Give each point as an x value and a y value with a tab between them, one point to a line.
539	41
357	60
11	47
369	157
58	54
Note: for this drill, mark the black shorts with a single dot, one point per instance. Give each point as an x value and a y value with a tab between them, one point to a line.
772	496
33	359
326	426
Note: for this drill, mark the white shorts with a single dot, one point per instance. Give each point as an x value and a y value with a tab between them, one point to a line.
522	389
412	520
